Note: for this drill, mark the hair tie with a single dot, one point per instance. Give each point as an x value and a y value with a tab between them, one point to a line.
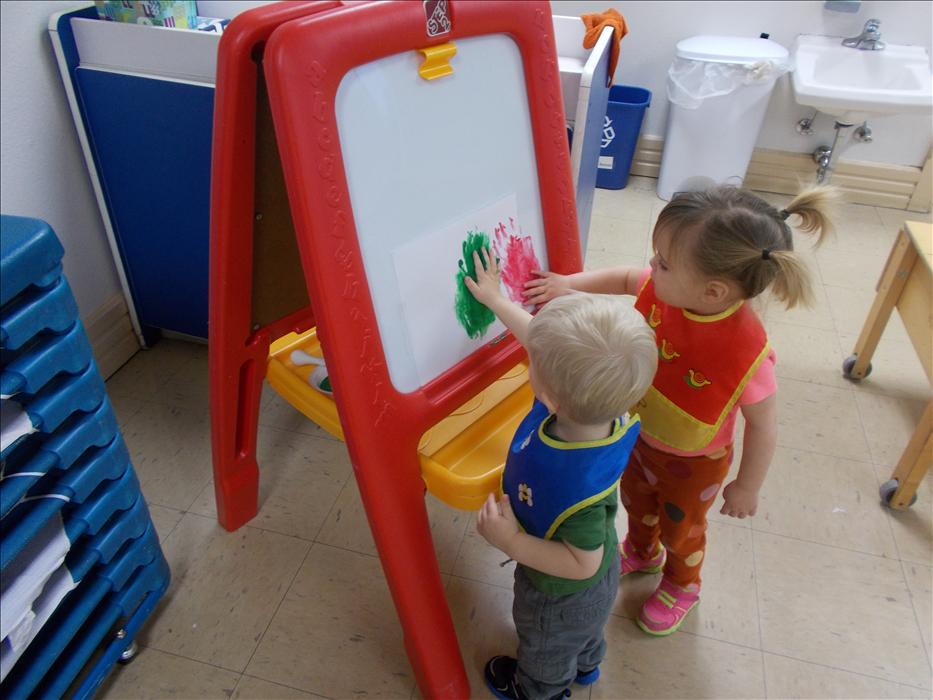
765	253
784	214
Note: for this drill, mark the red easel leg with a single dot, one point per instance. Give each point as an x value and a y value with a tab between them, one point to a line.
399	522
235	394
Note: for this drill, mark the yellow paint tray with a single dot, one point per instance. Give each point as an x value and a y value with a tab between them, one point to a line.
461	457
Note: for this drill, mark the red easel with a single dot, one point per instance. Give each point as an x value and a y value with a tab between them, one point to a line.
307	51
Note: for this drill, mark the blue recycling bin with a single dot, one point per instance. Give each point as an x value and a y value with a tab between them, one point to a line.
624	115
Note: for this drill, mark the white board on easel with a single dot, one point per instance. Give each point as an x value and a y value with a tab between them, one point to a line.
416	171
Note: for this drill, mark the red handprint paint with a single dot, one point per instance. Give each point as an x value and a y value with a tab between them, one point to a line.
518	259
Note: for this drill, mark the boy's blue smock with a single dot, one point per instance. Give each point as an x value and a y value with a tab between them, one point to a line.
548	480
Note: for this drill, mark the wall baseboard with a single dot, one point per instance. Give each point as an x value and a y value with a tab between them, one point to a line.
877	184
923	195
110	331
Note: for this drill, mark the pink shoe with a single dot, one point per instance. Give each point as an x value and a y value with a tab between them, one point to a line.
632	563
667	607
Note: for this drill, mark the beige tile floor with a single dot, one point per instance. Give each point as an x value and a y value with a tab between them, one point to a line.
824	594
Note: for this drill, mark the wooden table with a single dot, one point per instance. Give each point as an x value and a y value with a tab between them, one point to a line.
906	284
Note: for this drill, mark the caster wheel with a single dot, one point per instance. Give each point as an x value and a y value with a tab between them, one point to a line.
847	366
129	653
887	492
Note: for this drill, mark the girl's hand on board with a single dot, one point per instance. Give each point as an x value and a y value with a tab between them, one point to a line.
545	286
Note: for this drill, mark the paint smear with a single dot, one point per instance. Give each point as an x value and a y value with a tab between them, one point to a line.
472	315
518	259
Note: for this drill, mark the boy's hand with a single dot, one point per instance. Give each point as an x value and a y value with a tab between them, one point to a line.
739	501
486	286
547	286
497	523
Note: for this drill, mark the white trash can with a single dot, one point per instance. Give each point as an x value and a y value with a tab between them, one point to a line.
718	88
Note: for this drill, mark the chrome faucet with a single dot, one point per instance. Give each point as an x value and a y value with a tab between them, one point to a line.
869	39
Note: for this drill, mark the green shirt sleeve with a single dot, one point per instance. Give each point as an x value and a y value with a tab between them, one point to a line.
586	529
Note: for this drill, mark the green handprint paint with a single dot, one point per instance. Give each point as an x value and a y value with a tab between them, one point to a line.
473	316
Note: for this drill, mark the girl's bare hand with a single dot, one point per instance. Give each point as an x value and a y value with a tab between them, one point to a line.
739	502
545	287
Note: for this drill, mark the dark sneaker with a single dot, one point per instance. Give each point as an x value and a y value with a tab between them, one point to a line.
587	677
500	678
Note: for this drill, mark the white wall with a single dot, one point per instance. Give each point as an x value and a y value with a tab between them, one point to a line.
42	172
656	27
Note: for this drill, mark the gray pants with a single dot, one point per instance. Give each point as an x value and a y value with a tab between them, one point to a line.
559	635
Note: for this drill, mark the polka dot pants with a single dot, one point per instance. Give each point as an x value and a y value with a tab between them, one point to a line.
667	498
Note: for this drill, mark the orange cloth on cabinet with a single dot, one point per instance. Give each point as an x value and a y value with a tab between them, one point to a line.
594	24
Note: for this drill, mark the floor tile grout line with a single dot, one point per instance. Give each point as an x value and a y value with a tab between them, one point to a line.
279	606
763	651
460	545
903	573
913	606
832	316
377	557
828	454
313	544
864	462
481	582
830	546
237	685
764	676
291	582
845	670
169	533
284	685
326	436
728	642
259	528
186	658
334	504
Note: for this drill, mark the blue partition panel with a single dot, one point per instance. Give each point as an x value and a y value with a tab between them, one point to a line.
152	142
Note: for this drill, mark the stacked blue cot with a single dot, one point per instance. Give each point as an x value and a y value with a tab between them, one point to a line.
80	561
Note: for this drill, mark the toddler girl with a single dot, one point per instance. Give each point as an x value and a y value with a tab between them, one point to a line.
714	250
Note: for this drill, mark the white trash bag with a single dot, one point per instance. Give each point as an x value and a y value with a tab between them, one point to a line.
691	82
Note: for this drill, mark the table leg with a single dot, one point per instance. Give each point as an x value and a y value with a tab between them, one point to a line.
895	274
914	462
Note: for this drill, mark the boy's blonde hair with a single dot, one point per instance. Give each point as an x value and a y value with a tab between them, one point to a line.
594	354
733	234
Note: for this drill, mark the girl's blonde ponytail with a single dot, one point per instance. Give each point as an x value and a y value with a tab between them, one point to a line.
791	283
811	207
810	212
734	234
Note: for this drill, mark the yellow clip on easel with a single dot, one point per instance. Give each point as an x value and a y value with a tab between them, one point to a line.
437	61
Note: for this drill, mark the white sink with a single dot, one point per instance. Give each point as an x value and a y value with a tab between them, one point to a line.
853	85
